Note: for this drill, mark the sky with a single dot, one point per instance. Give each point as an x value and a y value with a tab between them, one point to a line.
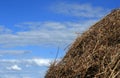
33	31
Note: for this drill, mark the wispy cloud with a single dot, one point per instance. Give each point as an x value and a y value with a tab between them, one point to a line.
4	30
44	33
17	68
40	62
52	32
14	68
9	76
34	61
79	10
13	52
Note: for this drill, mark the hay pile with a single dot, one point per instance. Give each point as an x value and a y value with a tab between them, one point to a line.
95	54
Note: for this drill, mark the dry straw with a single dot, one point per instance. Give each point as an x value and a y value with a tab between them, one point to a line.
94	54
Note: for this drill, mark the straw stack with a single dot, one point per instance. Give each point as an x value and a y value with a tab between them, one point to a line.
94	54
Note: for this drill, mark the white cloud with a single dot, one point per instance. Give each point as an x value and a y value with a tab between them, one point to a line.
14	67
24	68
9	76
13	52
79	10
44	33
34	61
41	62
27	77
52	32
39	25
4	30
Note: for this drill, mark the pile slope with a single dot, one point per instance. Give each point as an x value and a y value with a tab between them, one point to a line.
94	54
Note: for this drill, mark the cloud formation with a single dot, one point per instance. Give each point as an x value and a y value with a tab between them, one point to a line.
44	33
14	68
52	32
13	52
24	68
79	10
34	61
4	30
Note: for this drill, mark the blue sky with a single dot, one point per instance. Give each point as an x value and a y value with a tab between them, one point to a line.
31	31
